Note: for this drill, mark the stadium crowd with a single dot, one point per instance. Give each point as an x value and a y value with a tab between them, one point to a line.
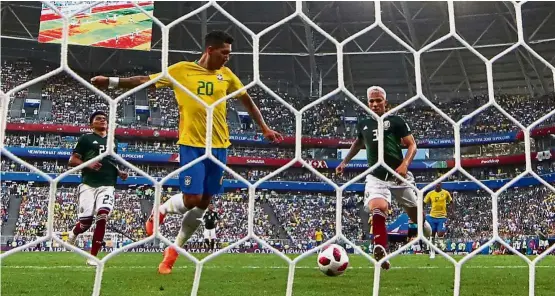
232	208
302	213
253	174
72	102
126	218
522	211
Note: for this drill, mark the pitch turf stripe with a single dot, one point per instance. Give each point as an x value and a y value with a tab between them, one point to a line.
266	267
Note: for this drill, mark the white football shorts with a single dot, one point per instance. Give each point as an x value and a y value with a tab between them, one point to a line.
210	233
376	188
92	199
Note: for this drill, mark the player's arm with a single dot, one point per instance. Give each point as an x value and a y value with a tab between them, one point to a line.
134	81
79	150
428	198
119	82
450	203
236	84
355	148
255	114
122	174
407	140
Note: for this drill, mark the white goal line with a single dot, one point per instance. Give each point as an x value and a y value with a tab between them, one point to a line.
153	267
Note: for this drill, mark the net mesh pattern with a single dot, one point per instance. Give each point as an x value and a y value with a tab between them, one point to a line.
113	103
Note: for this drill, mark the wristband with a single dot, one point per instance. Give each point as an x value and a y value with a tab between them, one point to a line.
113	82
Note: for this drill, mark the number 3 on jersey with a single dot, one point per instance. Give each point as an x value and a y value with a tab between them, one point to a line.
205	88
375	135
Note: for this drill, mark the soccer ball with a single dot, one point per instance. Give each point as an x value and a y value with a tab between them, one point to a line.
333	260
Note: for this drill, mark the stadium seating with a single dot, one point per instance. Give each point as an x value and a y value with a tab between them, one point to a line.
522	211
293	174
71	102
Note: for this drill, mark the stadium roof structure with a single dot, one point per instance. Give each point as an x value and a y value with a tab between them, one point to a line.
298	56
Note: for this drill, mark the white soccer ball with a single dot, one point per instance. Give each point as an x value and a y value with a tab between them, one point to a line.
333	260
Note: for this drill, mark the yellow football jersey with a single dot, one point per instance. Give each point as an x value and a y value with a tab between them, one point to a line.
319	236
208	85
439	202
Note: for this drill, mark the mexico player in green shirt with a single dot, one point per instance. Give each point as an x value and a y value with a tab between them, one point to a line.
98	181
380	183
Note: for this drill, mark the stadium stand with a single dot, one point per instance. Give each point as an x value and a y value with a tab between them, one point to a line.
297	213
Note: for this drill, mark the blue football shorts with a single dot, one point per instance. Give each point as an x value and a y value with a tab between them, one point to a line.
205	177
438	224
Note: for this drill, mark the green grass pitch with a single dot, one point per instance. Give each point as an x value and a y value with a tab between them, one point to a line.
65	274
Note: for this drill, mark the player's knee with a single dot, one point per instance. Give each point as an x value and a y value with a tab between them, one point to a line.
378	204
191	200
378	211
204	202
102	214
85	223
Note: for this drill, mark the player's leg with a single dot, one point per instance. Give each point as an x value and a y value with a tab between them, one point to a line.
189	223
85	215
407	198
212	238
434	223
104	204
206	238
190	182
439	232
211	184
377	198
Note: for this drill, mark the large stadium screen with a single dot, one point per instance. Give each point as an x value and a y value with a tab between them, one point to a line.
112	24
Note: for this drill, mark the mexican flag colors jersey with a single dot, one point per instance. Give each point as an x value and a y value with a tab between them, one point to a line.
395	128
89	146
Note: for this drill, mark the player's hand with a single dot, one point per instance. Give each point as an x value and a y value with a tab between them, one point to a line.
272	136
123	175
95	166
100	81
402	170
340	168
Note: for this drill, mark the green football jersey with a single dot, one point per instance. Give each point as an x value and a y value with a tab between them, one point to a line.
395	128
89	146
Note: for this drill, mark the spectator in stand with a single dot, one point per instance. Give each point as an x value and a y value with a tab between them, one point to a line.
326	121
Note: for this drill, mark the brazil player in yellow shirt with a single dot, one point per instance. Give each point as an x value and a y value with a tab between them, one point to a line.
318	236
210	80
438	198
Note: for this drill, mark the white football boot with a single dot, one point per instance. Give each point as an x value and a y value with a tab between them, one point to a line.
91	262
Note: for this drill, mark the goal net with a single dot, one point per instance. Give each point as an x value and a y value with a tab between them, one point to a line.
298	114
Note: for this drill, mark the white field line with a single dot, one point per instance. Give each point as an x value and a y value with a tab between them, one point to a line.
154	267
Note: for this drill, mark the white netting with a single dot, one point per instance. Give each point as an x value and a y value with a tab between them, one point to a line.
298	115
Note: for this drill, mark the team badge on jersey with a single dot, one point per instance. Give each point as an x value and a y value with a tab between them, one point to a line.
220	77
386	125
187	180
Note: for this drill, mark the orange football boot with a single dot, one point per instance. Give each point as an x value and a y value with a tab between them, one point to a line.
149	226
170	256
